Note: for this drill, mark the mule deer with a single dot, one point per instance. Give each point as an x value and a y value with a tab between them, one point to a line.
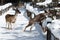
11	18
29	14
38	18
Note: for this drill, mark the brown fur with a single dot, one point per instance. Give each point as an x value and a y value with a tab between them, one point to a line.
29	14
11	18
38	18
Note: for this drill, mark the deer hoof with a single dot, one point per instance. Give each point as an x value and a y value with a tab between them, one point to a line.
9	28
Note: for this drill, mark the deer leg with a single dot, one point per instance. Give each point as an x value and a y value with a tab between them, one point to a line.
7	24
31	27
30	17
10	26
44	29
40	24
27	26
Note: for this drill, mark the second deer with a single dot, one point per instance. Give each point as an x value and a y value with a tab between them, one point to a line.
38	18
11	18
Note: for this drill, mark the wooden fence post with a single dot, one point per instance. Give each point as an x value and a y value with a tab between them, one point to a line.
48	34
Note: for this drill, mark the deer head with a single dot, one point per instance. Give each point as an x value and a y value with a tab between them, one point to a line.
17	11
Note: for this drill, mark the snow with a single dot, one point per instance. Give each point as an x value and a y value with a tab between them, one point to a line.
33	10
5	6
59	2
55	28
57	8
44	3
36	34
16	33
45	21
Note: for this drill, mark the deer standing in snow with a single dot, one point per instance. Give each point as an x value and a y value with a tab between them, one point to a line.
11	18
38	18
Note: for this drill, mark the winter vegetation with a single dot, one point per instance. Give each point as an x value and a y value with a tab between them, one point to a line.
16	32
26	21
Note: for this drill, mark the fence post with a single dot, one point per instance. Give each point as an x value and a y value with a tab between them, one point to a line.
48	34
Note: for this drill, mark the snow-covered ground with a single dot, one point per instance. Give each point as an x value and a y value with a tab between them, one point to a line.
55	28
16	33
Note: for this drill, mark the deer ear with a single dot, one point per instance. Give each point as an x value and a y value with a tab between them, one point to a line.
45	11
14	8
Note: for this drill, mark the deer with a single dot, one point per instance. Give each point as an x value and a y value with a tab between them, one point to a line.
11	18
37	18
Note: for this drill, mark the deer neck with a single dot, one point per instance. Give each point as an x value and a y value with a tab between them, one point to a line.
15	14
